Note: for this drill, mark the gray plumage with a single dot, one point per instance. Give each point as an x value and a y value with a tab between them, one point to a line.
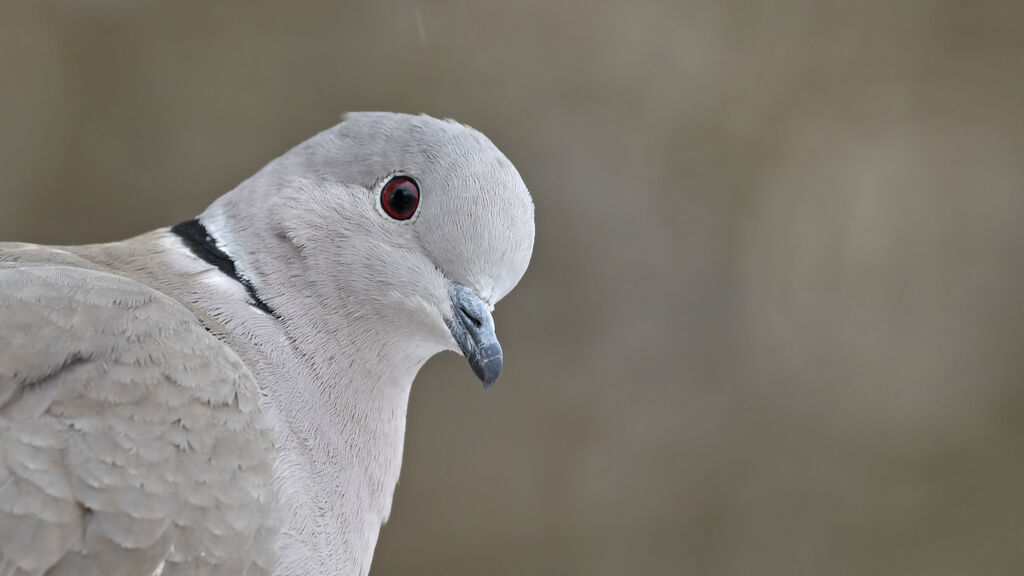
155	419
130	437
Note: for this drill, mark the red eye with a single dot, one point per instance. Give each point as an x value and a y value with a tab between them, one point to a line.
400	197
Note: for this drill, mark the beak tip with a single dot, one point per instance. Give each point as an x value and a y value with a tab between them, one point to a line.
489	371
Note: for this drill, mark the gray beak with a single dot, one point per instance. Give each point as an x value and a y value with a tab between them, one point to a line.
473	329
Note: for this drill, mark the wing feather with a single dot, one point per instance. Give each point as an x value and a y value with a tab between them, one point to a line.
131	439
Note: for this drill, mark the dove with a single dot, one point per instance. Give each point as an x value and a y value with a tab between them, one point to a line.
228	395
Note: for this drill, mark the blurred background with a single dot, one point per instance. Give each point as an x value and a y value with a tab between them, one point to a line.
774	322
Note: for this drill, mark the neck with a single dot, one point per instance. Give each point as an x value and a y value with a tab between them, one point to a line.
198	239
336	397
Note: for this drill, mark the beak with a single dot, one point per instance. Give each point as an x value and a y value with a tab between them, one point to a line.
473	329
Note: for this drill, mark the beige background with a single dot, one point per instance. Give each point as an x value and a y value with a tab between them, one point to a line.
774	322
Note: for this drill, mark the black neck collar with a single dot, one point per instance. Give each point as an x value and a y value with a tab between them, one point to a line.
198	239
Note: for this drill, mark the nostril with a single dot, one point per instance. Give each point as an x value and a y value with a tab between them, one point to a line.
476	321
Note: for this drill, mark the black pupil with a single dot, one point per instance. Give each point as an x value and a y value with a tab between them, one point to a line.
402	198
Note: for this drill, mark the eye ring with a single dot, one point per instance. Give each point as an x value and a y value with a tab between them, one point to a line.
400	197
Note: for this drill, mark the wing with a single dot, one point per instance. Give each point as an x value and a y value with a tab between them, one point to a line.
131	440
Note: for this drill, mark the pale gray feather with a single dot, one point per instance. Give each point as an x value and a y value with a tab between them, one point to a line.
130	437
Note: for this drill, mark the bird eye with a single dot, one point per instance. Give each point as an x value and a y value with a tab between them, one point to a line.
400	197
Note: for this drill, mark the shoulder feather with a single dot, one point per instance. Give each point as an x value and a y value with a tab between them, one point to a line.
131	440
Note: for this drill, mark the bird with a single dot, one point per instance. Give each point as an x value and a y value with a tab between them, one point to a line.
228	395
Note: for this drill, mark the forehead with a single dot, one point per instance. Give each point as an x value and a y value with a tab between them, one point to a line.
477	225
476	215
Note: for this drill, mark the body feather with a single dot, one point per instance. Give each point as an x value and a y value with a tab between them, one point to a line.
130	437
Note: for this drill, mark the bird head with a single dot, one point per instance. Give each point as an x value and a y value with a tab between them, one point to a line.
405	227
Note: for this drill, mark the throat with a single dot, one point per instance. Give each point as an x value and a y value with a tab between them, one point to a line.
203	245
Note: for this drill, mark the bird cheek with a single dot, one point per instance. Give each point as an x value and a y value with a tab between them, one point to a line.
419	318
